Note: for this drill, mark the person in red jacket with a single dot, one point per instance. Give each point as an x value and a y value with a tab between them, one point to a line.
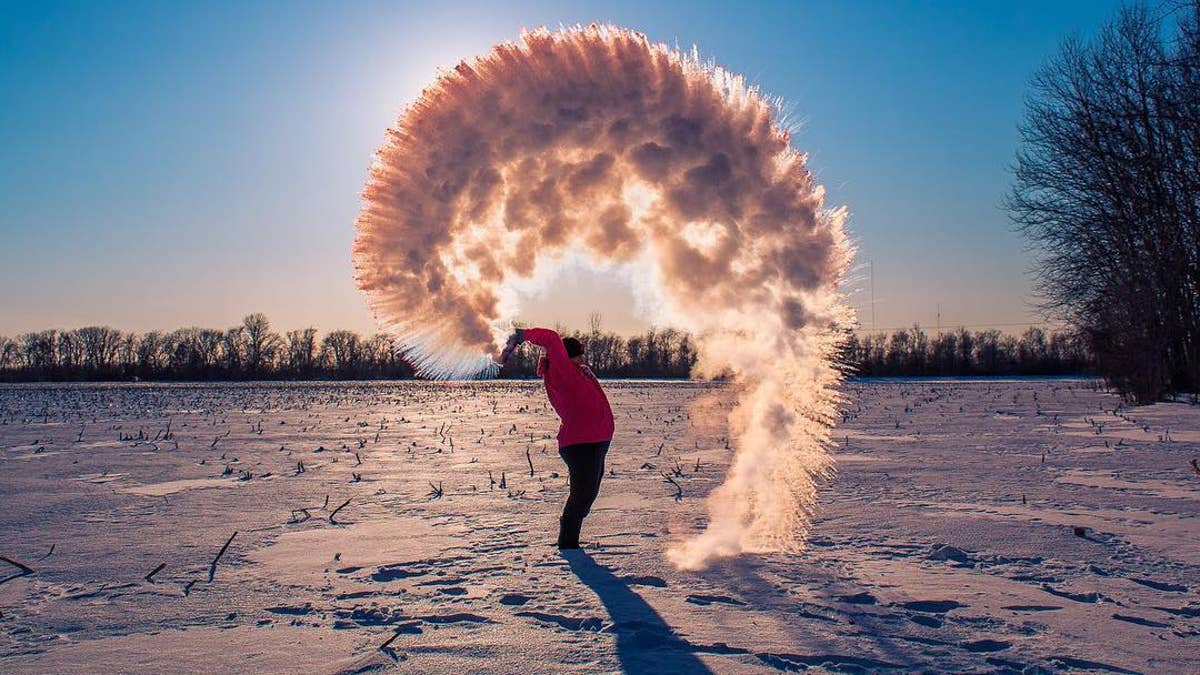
587	421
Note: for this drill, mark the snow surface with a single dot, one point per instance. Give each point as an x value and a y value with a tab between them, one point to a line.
947	541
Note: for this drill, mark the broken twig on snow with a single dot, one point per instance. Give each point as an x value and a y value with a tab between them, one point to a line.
212	569
24	568
678	489
150	577
335	511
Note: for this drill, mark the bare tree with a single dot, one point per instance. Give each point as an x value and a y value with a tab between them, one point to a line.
9	351
302	351
342	351
70	351
100	347
39	351
150	354
233	351
261	345
1106	190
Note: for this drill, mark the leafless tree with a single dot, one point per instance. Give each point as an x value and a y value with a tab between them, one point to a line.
342	350
100	346
151	353
1106	190
9	353
261	345
233	350
39	351
70	351
302	351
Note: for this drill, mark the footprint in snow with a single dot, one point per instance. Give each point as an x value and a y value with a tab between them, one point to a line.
645	581
863	598
514	599
705	600
1159	585
932	606
983	646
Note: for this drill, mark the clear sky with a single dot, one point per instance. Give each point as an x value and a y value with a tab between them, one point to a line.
173	164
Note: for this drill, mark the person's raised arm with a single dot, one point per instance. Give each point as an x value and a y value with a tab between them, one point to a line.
548	340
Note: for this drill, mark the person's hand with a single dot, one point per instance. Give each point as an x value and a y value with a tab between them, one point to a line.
515	339
508	350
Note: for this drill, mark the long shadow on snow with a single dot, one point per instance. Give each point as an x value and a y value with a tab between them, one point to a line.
645	642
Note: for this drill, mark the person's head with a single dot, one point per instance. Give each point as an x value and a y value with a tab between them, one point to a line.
574	349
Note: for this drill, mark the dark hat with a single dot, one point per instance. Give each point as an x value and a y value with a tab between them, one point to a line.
574	347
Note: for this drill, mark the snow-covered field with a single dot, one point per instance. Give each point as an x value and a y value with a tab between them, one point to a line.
977	526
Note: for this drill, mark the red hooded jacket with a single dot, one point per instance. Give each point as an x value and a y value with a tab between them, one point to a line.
574	392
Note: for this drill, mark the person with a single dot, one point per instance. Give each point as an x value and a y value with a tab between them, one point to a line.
587	421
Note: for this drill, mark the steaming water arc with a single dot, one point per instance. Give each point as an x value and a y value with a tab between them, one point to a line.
595	140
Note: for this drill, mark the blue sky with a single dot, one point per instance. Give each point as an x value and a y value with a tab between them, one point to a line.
182	164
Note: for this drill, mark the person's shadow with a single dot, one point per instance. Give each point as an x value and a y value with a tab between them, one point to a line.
645	643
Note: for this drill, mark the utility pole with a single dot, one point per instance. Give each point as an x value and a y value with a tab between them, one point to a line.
939	318
872	263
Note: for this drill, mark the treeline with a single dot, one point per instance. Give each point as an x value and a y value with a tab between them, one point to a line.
914	352
253	351
1108	191
657	353
249	351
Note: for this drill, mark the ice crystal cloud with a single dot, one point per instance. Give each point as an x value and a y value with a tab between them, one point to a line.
596	140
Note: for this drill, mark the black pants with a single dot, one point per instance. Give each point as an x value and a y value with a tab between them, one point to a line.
585	463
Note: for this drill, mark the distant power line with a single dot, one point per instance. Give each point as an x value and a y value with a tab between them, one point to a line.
938	311
1044	324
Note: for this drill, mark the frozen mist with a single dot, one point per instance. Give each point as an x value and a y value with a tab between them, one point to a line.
945	543
597	142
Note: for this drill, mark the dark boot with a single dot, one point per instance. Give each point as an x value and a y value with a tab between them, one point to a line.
568	532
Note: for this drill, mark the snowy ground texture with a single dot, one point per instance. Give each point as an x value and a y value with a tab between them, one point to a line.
1029	526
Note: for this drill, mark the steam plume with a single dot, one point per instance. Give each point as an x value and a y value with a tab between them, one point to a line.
596	140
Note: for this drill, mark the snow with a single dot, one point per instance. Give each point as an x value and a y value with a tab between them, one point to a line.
946	542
